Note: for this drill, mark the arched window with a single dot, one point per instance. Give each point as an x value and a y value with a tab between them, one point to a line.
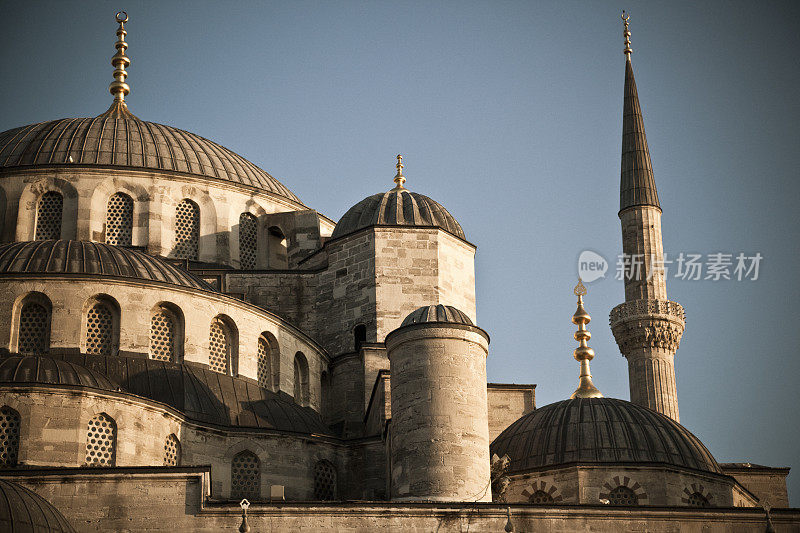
172	451
696	499
187	230
324	481
248	241
9	436
166	335
301	379
623	495
219	346
540	496
34	328
48	216
102	331
278	255
119	220
245	476
264	364
359	336
101	441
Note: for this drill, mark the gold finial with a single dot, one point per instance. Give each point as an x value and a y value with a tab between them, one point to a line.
120	61
583	353
399	179
627	34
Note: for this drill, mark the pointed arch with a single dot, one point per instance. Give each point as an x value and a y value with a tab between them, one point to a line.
101	441
301	389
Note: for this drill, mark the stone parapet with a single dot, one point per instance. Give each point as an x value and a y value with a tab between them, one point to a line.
647	323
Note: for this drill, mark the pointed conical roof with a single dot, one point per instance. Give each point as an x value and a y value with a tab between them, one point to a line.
637	185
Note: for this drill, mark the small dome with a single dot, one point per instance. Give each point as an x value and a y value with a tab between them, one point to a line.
129	142
437	313
36	369
22	509
599	430
398	207
83	257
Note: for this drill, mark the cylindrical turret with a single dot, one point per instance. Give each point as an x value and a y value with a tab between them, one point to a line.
439	430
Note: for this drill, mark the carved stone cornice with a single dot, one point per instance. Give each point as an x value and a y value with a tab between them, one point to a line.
647	324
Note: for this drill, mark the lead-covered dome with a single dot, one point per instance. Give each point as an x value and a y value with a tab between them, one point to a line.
437	313
398	207
21	509
83	257
116	139
598	431
46	370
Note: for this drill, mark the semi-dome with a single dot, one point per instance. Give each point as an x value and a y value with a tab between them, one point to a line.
83	257
46	370
599	431
437	313
206	396
398	207
21	509
116	139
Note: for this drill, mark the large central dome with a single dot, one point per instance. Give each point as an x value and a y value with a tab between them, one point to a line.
123	140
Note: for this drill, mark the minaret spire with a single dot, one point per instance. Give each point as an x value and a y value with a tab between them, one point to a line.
118	88
583	353
637	185
647	327
399	179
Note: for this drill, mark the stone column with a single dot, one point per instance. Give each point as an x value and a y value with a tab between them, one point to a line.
439	428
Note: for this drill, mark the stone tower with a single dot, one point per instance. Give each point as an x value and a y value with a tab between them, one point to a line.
439	433
647	327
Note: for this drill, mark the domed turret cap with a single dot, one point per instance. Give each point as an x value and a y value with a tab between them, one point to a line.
397	207
437	313
22	509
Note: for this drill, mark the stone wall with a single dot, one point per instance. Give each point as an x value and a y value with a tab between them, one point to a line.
507	403
136	301
140	500
766	483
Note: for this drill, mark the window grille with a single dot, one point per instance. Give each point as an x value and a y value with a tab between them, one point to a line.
324	481
9	436
172	451
540	496
698	500
187	230
101	441
218	343
99	330
34	328
300	379
245	476
162	337
48	216
264	364
248	241
119	220
623	496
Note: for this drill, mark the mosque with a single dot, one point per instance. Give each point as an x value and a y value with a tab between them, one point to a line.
186	346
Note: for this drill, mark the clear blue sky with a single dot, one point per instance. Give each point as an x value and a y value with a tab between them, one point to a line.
509	114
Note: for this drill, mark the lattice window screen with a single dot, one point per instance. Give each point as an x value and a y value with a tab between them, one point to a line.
48	216
172	451
162	336
245	476
248	241
324	481
187	230
100	330
218	346
101	441
623	496
9	436
698	500
540	496
34	329
119	220
264	364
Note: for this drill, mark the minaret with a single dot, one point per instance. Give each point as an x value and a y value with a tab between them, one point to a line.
647	327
